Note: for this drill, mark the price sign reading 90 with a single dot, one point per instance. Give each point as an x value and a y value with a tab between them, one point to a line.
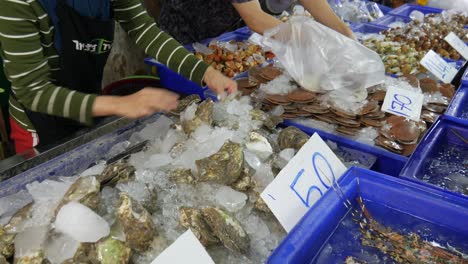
303	182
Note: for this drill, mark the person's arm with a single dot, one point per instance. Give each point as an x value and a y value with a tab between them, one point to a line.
254	17
158	44
323	13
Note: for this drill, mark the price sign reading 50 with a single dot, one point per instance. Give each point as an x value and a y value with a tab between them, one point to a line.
303	182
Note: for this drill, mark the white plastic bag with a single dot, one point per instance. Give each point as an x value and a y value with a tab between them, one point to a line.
322	60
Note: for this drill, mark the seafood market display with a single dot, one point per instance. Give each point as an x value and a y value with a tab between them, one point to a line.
402	47
363	120
232	57
204	170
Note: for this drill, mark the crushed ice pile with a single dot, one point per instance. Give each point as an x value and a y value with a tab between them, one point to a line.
71	217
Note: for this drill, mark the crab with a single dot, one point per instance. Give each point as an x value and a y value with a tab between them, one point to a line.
223	167
136	222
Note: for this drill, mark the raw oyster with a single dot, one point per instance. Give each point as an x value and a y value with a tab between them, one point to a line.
245	181
136	222
192	218
185	102
260	204
117	172
227	229
261	144
3	259
269	121
204	114
34	258
292	137
7	247
182	176
86	253
112	251
84	190
223	167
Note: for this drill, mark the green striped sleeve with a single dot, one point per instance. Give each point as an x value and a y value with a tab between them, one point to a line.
27	66
156	43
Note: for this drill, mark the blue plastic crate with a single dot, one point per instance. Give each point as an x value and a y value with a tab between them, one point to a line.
389	19
443	152
402	205
458	108
240	34
387	162
74	161
405	10
465	78
367	28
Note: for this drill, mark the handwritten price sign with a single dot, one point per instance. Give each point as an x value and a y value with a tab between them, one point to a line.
303	182
437	66
457	44
403	102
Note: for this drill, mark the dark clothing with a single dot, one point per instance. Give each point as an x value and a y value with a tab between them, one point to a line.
194	20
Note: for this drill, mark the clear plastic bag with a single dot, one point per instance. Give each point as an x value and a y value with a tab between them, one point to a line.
323	60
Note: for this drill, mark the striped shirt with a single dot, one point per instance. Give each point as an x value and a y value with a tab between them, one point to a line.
31	62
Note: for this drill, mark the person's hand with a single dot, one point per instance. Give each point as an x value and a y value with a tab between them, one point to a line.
140	104
146	102
219	83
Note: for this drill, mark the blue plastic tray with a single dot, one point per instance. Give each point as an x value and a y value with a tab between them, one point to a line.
441	153
465	78
458	108
405	10
388	19
387	162
74	161
367	28
394	202
240	34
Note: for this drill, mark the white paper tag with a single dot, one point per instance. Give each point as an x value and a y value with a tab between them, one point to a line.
256	38
186	249
403	102
457	44
302	182
437	66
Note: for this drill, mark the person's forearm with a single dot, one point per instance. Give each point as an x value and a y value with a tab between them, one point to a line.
323	13
262	23
105	105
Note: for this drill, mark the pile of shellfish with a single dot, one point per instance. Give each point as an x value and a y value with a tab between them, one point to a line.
396	134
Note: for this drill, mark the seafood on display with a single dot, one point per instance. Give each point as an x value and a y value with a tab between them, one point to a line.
234	57
396	134
402	48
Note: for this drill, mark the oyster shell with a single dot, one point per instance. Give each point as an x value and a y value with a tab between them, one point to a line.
3	259
182	176
112	251
223	167
204	114
245	181
192	218
261	144
136	223
7	247
260	204
86	253
84	190
227	229
117	172
34	258
185	102
292	137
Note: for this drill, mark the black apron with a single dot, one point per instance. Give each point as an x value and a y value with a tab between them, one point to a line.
86	44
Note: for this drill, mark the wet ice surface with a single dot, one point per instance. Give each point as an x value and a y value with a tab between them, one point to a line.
346	239
449	168
10	204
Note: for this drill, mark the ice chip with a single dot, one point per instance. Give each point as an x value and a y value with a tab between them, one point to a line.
81	223
30	241
189	112
96	169
158	160
60	247
198	47
9	205
117	149
230	199
277	110
417	15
